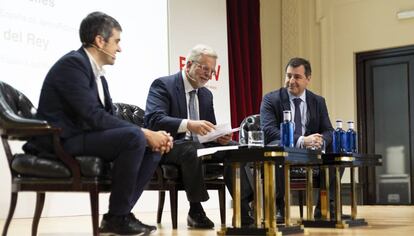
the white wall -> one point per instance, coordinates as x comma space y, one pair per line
34, 34
24, 63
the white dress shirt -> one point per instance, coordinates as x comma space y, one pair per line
98, 71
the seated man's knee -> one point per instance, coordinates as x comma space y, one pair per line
133, 137
189, 151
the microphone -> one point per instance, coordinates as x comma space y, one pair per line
103, 51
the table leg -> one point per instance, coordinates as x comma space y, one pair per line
309, 193
258, 195
270, 203
287, 194
236, 195
353, 194
338, 203
325, 203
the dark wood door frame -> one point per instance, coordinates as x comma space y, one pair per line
365, 118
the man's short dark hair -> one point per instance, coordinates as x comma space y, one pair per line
97, 23
297, 61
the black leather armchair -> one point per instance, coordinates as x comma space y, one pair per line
297, 175
44, 172
59, 172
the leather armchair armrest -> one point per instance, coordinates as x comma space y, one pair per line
26, 132
14, 126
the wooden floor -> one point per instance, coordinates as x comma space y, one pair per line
383, 220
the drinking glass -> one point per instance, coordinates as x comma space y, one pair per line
255, 138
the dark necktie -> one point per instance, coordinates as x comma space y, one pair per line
298, 117
192, 110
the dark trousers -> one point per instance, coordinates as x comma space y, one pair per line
246, 179
134, 164
184, 155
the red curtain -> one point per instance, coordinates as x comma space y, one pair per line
245, 72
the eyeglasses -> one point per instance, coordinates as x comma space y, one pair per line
205, 68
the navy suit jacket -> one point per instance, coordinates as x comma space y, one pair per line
167, 106
271, 115
69, 98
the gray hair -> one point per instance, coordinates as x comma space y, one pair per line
199, 50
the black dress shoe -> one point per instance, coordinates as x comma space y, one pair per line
199, 220
150, 228
124, 225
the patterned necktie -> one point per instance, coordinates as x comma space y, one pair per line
192, 110
298, 117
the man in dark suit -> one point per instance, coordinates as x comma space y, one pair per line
313, 127
181, 105
75, 97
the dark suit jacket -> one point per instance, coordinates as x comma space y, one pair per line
167, 106
69, 98
271, 115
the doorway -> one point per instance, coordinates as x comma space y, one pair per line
385, 108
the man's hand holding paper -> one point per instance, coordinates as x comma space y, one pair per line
225, 139
222, 134
200, 127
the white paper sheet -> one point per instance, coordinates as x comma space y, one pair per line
211, 150
221, 129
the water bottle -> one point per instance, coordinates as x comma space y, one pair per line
351, 138
339, 141
286, 130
